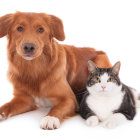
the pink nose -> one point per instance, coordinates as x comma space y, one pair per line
103, 87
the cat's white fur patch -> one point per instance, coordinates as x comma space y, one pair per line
50, 122
103, 103
138, 103
104, 106
92, 121
114, 120
136, 94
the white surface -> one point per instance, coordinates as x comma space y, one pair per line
109, 25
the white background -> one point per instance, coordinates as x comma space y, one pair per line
109, 25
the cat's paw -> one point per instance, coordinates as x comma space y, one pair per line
114, 121
92, 121
50, 123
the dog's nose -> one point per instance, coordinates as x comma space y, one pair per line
29, 47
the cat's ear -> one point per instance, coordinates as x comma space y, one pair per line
91, 66
116, 67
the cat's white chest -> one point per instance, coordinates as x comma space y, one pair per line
104, 106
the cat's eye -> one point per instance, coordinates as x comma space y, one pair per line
97, 80
110, 80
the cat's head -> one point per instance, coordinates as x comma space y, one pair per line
103, 80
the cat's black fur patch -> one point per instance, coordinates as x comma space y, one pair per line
80, 94
127, 107
84, 110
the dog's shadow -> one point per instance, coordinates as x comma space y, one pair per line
31, 116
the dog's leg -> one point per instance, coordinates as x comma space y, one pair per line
65, 109
102, 61
65, 105
19, 104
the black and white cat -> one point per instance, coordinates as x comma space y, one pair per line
105, 98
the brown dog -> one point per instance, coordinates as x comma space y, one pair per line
40, 68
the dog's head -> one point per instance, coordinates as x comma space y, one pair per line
31, 32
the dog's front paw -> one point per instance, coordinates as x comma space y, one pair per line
92, 121
50, 123
4, 112
2, 116
114, 121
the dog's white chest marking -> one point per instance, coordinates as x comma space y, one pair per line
42, 102
104, 106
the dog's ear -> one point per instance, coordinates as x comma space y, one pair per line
57, 29
56, 26
5, 24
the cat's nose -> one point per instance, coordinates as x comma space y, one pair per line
103, 87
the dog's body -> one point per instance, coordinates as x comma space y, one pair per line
49, 70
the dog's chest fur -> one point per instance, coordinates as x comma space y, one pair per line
42, 102
104, 106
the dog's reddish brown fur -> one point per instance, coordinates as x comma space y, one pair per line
56, 72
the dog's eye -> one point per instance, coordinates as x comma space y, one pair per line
40, 30
20, 28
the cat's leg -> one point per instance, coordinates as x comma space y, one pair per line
126, 112
114, 120
92, 121
87, 114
